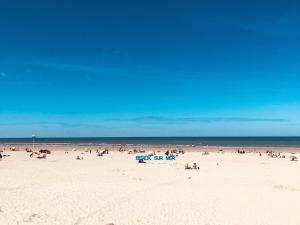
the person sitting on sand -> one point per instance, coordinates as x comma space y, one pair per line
187, 167
141, 161
294, 158
1, 156
195, 166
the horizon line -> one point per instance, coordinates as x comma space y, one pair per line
243, 136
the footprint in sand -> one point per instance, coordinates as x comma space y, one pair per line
32, 217
282, 187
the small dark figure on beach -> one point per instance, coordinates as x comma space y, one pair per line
294, 158
187, 167
45, 151
196, 167
42, 156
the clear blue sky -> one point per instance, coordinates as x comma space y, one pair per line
149, 68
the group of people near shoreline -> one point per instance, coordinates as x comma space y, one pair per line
42, 154
194, 167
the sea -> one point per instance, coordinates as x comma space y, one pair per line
178, 141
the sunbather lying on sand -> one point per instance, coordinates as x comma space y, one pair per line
42, 156
34, 153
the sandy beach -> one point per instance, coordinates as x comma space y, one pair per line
229, 188
150, 112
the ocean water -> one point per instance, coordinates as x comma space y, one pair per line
199, 141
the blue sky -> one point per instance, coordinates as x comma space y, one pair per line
149, 68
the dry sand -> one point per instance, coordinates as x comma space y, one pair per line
229, 189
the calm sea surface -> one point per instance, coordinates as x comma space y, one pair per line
201, 141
